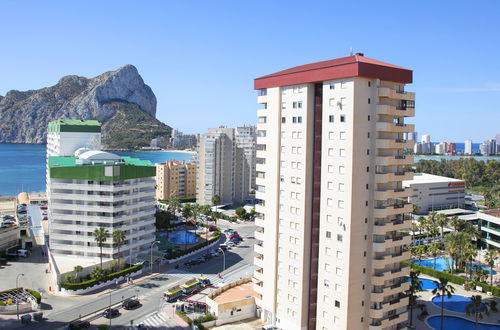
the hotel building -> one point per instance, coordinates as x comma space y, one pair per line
330, 164
175, 179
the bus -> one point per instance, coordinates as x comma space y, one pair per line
190, 286
173, 294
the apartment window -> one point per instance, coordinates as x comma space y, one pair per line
330, 118
329, 202
327, 267
299, 104
367, 186
367, 151
338, 271
261, 133
338, 288
341, 204
342, 152
341, 169
337, 303
299, 150
368, 169
368, 117
336, 320
294, 135
343, 135
283, 120
282, 164
368, 135
330, 152
326, 299
343, 84
329, 219
282, 149
283, 105
329, 185
332, 85
331, 135
339, 237
299, 135
366, 203
328, 234
339, 254
299, 119
341, 187
369, 84
343, 103
330, 168
262, 120
294, 120
331, 102
261, 175
369, 100
282, 178
328, 251
283, 134
342, 118
326, 283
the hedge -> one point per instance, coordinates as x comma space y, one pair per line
183, 316
180, 253
105, 278
453, 278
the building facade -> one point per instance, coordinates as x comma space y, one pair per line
175, 179
98, 189
330, 165
246, 139
221, 168
468, 147
490, 229
433, 192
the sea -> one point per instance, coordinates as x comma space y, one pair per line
22, 166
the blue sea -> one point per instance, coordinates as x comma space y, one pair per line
22, 166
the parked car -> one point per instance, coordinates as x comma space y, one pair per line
231, 244
214, 253
109, 313
131, 304
23, 253
229, 230
234, 236
223, 247
75, 325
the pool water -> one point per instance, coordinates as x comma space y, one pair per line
454, 322
181, 237
456, 303
426, 283
443, 264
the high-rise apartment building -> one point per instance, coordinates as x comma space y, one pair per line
468, 147
175, 179
246, 139
220, 168
330, 165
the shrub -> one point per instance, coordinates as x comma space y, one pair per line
35, 294
183, 316
105, 278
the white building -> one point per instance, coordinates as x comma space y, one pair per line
433, 192
330, 165
246, 139
490, 228
468, 147
440, 148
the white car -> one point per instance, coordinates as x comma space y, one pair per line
231, 244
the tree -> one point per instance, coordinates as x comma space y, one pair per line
118, 240
69, 277
205, 209
490, 258
241, 212
434, 250
415, 286
417, 252
100, 237
422, 223
469, 253
414, 228
455, 222
97, 273
78, 270
114, 265
415, 209
215, 200
442, 289
442, 220
187, 211
491, 199
454, 244
478, 308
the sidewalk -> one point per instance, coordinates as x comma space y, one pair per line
169, 310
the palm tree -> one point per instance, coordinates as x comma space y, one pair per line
118, 240
215, 200
441, 221
455, 221
469, 253
415, 209
97, 273
417, 252
434, 250
490, 257
442, 289
100, 237
415, 286
114, 264
69, 277
478, 307
414, 228
78, 270
422, 223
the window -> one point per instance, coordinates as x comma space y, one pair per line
326, 299
369, 100
261, 175
329, 202
326, 283
342, 135
341, 169
283, 134
341, 204
299, 119
337, 303
342, 118
330, 152
343, 84
342, 152
368, 135
283, 120
341, 187
331, 135
369, 84
332, 85
343, 103
338, 288
339, 254
339, 237
327, 267
261, 133
338, 271
262, 120
367, 151
329, 219
329, 185
328, 251
330, 118
299, 104
294, 120
283, 105
331, 102
368, 117
328, 234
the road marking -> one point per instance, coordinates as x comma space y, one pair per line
155, 320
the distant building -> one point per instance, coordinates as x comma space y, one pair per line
439, 148
468, 147
158, 142
433, 192
223, 166
246, 139
417, 148
183, 141
427, 146
175, 179
450, 148
488, 148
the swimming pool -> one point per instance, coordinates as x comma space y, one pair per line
456, 303
183, 237
443, 264
426, 283
455, 322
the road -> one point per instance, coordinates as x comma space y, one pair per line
150, 291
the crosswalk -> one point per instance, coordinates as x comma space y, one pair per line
187, 275
155, 321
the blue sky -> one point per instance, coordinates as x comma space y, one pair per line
217, 48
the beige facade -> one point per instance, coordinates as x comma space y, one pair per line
330, 166
175, 179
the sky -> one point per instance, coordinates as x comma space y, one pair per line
200, 57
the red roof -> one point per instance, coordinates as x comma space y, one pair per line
350, 66
494, 212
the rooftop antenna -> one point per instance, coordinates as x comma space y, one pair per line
350, 52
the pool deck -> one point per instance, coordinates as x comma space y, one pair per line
426, 298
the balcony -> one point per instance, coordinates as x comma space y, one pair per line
392, 110
259, 235
389, 243
380, 228
384, 212
394, 160
395, 94
394, 144
262, 99
382, 262
389, 322
379, 279
259, 249
381, 195
259, 221
259, 261
383, 126
258, 276
388, 291
393, 177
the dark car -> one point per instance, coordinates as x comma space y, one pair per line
110, 313
79, 325
131, 304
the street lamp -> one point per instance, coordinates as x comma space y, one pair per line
17, 298
224, 255
151, 257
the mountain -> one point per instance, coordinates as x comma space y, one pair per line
119, 99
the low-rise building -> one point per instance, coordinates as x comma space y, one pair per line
433, 192
490, 228
175, 179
